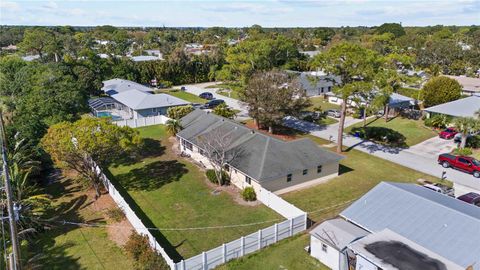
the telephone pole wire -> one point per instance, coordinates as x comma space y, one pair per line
8, 191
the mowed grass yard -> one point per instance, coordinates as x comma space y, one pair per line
173, 194
183, 95
73, 247
413, 130
286, 254
323, 103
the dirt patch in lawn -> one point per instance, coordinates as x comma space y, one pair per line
118, 231
279, 132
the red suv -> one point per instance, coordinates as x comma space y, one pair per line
471, 198
448, 133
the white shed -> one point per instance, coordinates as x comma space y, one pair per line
329, 240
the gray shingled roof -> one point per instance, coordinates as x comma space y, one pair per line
138, 100
261, 157
465, 107
444, 225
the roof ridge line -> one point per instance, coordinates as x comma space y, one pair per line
262, 164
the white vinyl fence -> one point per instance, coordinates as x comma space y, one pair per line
132, 217
296, 223
143, 122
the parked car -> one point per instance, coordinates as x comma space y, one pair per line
212, 104
448, 133
443, 189
206, 95
183, 88
458, 137
462, 163
334, 113
471, 198
196, 105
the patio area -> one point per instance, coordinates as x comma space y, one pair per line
107, 107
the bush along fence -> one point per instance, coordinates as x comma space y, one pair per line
142, 122
133, 218
296, 222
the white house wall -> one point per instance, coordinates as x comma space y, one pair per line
330, 258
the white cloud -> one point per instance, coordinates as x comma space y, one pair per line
10, 6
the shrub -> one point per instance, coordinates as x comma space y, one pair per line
249, 194
116, 214
438, 121
463, 151
474, 142
440, 90
212, 177
178, 112
144, 257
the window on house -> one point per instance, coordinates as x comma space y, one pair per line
201, 152
319, 168
154, 110
187, 145
321, 89
305, 172
248, 180
289, 177
329, 88
324, 247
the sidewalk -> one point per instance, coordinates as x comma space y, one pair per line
412, 157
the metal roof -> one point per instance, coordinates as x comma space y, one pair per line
338, 232
138, 100
115, 86
391, 251
444, 225
260, 156
143, 58
468, 83
465, 107
100, 103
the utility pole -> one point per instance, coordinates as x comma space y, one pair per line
8, 191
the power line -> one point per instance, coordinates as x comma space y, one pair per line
83, 224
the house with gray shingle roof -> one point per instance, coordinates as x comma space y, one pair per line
257, 159
402, 226
464, 107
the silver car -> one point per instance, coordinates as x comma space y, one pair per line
334, 113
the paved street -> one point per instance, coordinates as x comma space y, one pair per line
199, 88
421, 157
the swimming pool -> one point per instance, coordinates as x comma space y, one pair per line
108, 115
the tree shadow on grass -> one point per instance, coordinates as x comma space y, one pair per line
344, 169
381, 135
148, 148
152, 176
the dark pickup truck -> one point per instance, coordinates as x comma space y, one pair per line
463, 163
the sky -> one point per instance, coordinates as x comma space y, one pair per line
267, 13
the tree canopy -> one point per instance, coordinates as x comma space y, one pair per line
440, 90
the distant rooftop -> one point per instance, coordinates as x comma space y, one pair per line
439, 223
338, 232
138, 100
115, 86
465, 107
468, 84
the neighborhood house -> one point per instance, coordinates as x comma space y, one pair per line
465, 107
316, 83
130, 100
470, 86
256, 159
400, 226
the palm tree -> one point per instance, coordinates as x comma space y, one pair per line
466, 125
173, 127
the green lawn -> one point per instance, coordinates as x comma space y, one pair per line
73, 247
286, 254
359, 172
183, 95
170, 192
413, 130
323, 103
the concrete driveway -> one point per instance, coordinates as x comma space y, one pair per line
432, 147
199, 88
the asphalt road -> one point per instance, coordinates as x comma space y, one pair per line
421, 157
